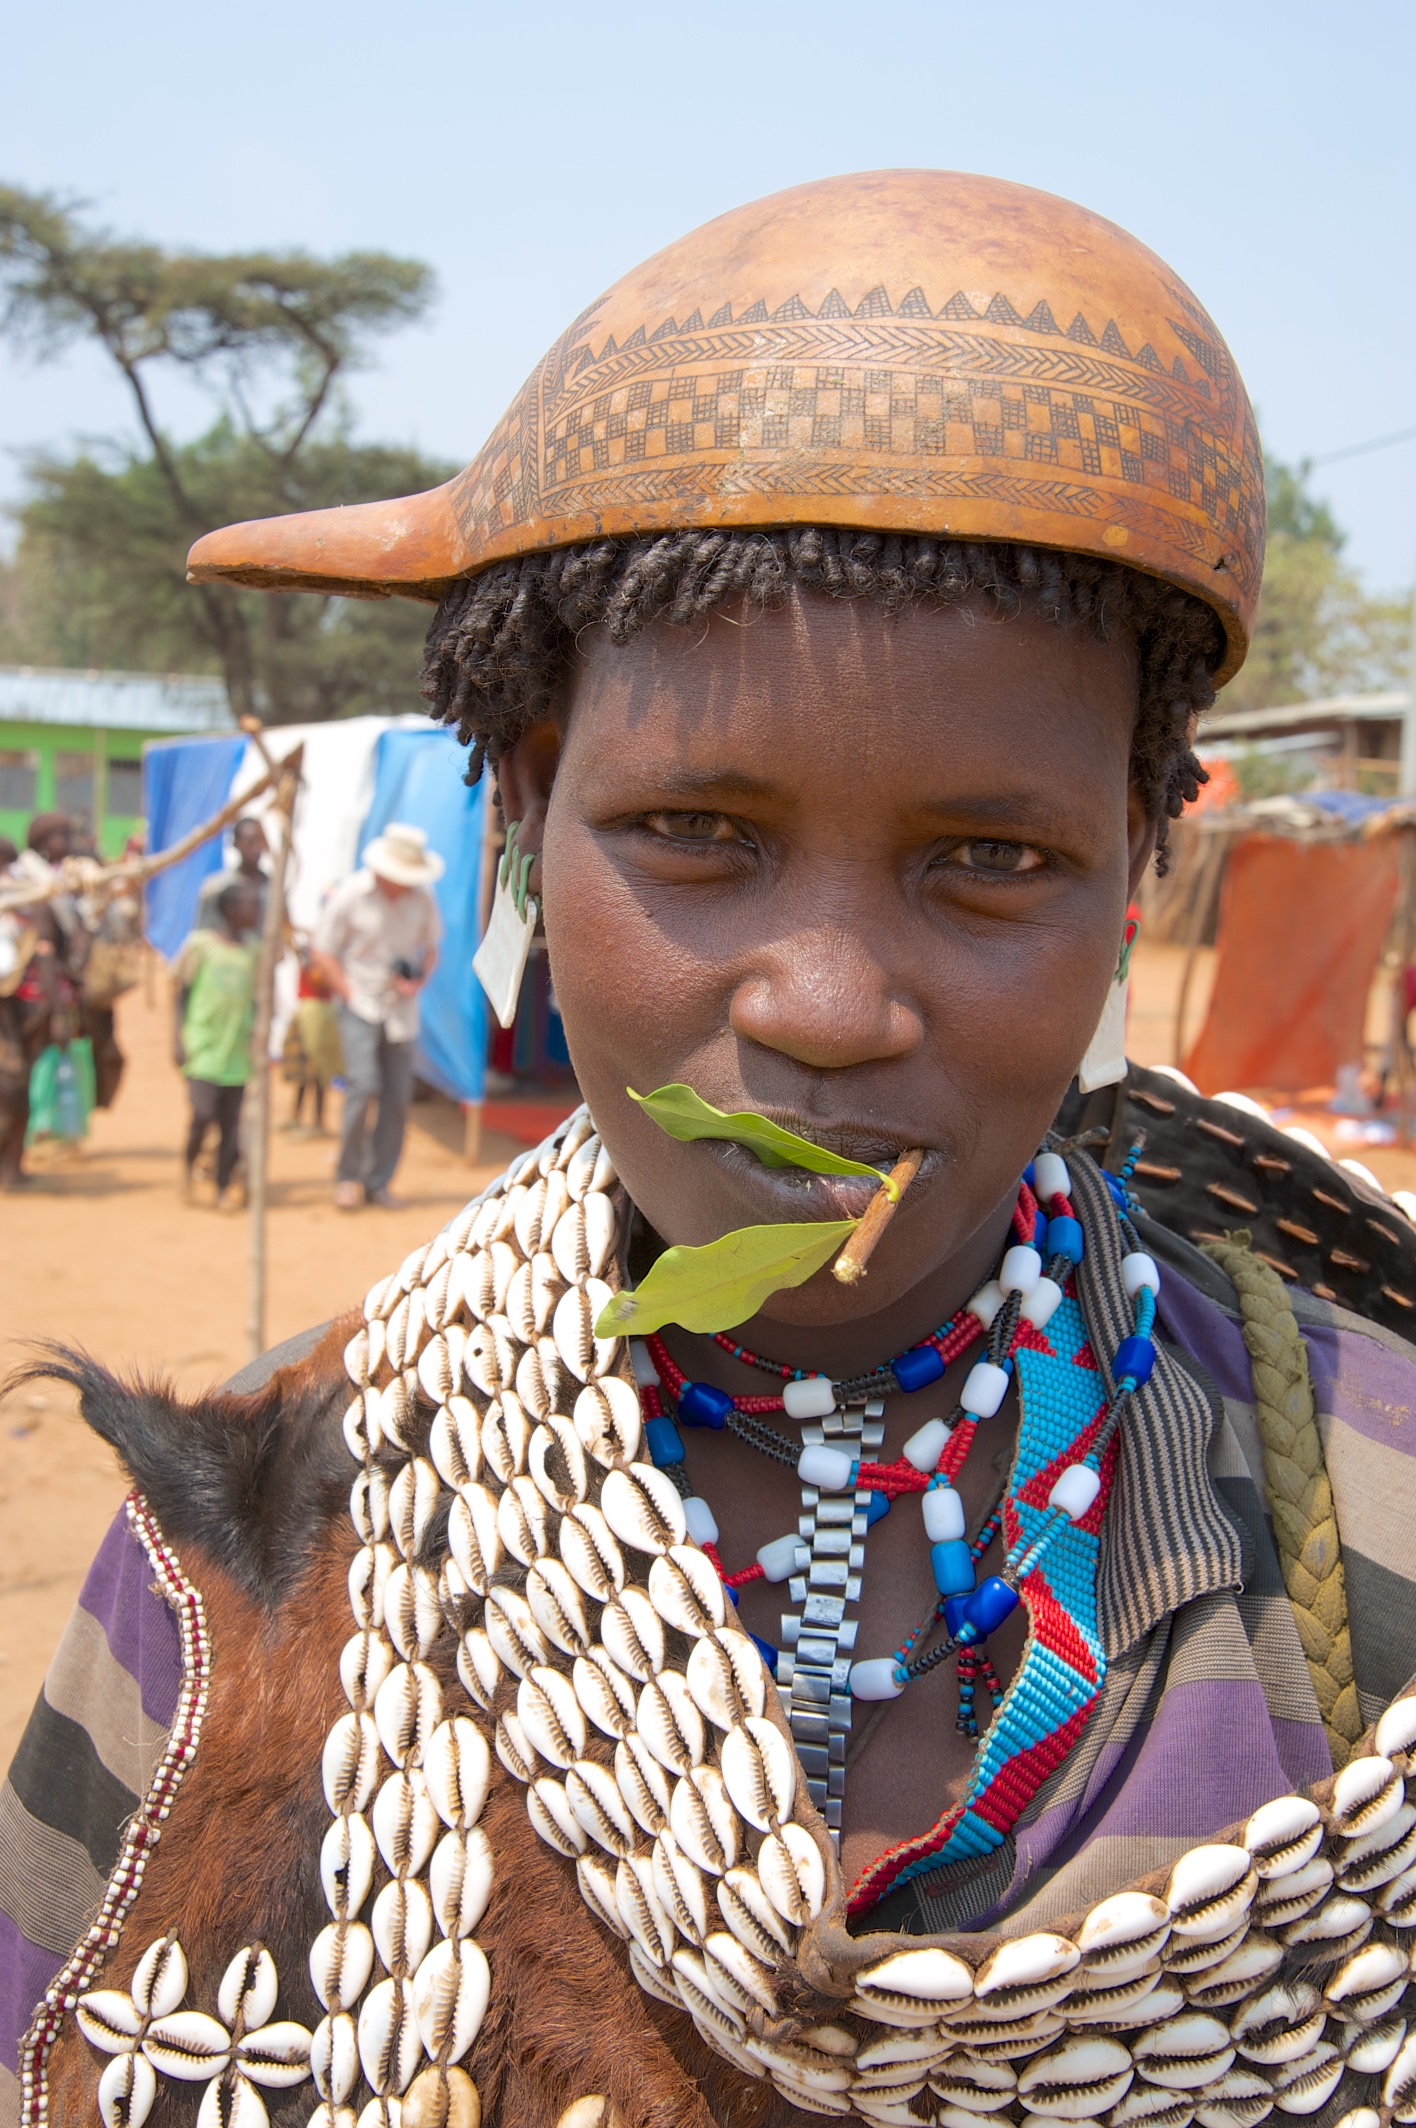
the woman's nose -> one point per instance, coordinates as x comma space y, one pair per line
825, 999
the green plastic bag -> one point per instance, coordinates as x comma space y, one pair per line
62, 1091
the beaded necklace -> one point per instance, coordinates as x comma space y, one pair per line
843, 1495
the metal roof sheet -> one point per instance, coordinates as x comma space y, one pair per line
122, 701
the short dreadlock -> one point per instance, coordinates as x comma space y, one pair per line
502, 641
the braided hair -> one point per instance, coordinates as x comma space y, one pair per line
502, 641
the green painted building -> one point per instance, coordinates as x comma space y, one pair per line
72, 742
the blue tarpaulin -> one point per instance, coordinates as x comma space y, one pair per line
185, 781
418, 779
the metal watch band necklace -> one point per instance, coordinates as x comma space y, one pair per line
846, 1489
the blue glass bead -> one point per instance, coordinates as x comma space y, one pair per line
918, 1367
665, 1444
1135, 1356
952, 1566
877, 1506
1065, 1238
1039, 1229
703, 1405
991, 1602
1030, 1175
766, 1650
1117, 1188
954, 1614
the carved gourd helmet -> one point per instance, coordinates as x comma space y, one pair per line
901, 351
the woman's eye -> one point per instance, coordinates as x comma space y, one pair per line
698, 828
996, 857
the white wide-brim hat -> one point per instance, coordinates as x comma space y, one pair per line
401, 854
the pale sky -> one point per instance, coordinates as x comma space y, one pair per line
533, 152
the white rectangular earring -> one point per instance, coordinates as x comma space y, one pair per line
500, 961
1105, 1060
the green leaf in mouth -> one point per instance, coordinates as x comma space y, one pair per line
726, 1281
686, 1116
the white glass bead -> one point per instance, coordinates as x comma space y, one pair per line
1042, 1303
984, 1390
1139, 1270
782, 1557
986, 1303
1075, 1491
812, 1399
1051, 1177
698, 1516
645, 1372
1020, 1270
875, 1679
943, 1514
829, 1469
924, 1448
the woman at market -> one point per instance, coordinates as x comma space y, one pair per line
807, 1633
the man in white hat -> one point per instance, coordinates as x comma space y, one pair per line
377, 943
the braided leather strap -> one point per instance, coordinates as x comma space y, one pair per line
1300, 1496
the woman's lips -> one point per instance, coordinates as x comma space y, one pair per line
785, 1194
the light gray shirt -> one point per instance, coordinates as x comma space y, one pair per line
366, 933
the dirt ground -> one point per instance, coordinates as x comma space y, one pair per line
104, 1254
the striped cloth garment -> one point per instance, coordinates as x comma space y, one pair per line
1207, 1709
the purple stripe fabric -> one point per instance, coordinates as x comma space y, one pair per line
1201, 1329
141, 1631
1367, 1387
25, 1973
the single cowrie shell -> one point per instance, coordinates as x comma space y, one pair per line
472, 1287
1340, 1916
537, 1215
571, 1135
643, 1508
474, 1536
643, 1782
449, 1992
903, 2049
573, 1328
412, 1503
583, 1239
1099, 2000
397, 1342
503, 1263
478, 1666
1366, 1795
490, 1356
1249, 1967
398, 1411
998, 2039
159, 1982
439, 1367
1283, 1835
389, 2047
385, 1290
341, 1960
556, 1462
641, 1910
456, 1769
109, 2020
522, 1521
350, 1763
551, 1717
1284, 1898
539, 1378
506, 1436
751, 1916
548, 1808
514, 1748
364, 1663
597, 1883
402, 1924
407, 1710
405, 1823
1148, 2106
1396, 1901
356, 1359
513, 1632
706, 2000
605, 1692
670, 1723
1396, 1731
1241, 2098
369, 1570
361, 1427
1036, 1967
591, 1552
1279, 2023
412, 1609
436, 1293
1122, 1933
1076, 2079
632, 1634
744, 1979
1209, 1889
1372, 2048
1184, 1955
410, 1272
1184, 2052
609, 1423
461, 1603
334, 2061
725, 1673
1379, 1856
547, 1285
1303, 2086
519, 1306
759, 1772
600, 1808
703, 1820
455, 1442
793, 1874
685, 1590
580, 1169
378, 1346
976, 2084
682, 1888
1372, 1971
558, 1606
460, 1880
1399, 2084
346, 1868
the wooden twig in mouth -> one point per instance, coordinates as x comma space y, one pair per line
850, 1265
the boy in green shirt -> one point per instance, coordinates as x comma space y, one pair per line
215, 986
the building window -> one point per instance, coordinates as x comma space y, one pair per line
73, 785
125, 790
17, 781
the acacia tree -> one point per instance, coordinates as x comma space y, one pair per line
272, 336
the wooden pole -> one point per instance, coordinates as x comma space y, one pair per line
258, 1112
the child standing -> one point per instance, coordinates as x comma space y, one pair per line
214, 989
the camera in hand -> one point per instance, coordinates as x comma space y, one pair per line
408, 971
